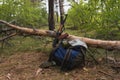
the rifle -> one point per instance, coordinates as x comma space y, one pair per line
62, 28
60, 31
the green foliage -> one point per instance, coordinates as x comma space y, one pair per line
83, 15
27, 14
24, 12
100, 16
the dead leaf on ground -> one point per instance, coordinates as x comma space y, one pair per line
38, 71
9, 76
85, 69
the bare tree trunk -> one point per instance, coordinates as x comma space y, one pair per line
90, 42
51, 15
56, 10
61, 10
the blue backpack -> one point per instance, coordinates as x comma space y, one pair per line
69, 57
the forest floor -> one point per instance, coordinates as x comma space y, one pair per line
24, 66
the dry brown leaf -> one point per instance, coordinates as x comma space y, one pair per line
8, 76
85, 69
38, 71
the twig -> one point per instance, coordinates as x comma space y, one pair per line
5, 30
106, 55
106, 73
6, 37
92, 56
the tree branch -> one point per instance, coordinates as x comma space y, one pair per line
105, 44
6, 37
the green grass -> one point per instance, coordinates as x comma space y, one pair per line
20, 44
27, 44
43, 44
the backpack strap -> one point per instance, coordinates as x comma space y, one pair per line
66, 58
53, 51
81, 56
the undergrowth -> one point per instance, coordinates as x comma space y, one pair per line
19, 44
26, 44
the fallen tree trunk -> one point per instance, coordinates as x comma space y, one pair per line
90, 42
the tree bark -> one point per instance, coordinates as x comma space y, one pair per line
61, 11
51, 15
56, 10
90, 42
